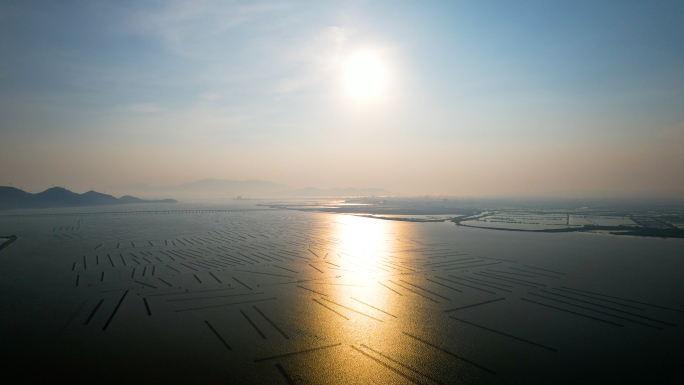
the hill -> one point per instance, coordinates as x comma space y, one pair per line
14, 198
223, 188
339, 192
209, 188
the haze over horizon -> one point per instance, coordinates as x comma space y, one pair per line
452, 98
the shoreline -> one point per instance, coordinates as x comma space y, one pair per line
619, 230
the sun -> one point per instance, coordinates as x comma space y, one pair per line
364, 77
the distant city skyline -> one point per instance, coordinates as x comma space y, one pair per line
453, 98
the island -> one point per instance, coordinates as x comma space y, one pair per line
14, 198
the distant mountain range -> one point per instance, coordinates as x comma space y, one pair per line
223, 188
210, 188
14, 198
340, 192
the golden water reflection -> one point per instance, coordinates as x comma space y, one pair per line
360, 309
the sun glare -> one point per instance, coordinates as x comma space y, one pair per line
365, 77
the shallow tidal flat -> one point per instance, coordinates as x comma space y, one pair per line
535, 222
279, 296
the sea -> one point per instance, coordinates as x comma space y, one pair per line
243, 294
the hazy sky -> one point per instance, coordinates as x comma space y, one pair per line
465, 97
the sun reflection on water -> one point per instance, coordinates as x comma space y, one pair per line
361, 240
357, 310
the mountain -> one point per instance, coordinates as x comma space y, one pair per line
130, 199
15, 195
14, 198
55, 197
226, 188
340, 192
96, 198
210, 188
232, 187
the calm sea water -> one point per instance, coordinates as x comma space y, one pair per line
295, 297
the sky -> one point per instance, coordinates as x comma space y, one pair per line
462, 98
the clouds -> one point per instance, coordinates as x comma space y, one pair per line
315, 60
262, 82
199, 29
